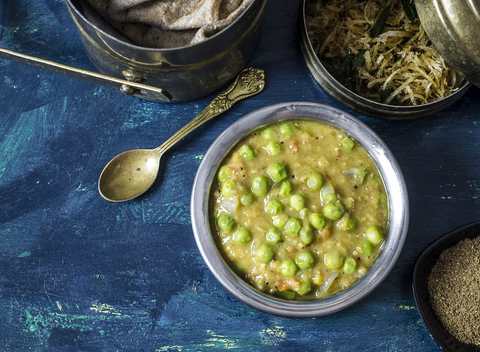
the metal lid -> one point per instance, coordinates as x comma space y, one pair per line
454, 28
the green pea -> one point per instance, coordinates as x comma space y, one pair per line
333, 211
228, 188
247, 199
349, 266
260, 282
286, 129
273, 236
304, 260
225, 222
259, 186
347, 144
306, 235
268, 134
297, 202
247, 152
317, 220
273, 148
333, 260
367, 248
304, 287
280, 220
273, 207
327, 194
287, 294
346, 223
264, 253
358, 175
288, 268
224, 174
242, 235
285, 189
374, 235
315, 181
277, 172
303, 213
292, 227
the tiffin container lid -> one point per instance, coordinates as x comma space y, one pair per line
453, 26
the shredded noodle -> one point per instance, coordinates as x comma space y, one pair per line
399, 66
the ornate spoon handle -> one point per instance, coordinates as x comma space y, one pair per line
249, 82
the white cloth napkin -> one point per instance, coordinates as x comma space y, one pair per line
168, 23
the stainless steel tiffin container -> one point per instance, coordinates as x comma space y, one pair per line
182, 74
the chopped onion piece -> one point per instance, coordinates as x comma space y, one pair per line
323, 290
229, 205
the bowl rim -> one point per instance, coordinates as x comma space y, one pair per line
386, 165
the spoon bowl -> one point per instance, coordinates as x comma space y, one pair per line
129, 174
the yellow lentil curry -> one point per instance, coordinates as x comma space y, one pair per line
299, 210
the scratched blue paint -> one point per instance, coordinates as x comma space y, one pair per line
78, 274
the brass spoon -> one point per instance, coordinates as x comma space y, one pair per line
130, 174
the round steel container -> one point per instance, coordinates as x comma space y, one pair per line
358, 102
388, 169
454, 28
184, 73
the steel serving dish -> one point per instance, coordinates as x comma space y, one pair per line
389, 171
423, 267
184, 73
452, 25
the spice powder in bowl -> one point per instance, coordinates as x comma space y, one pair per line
454, 288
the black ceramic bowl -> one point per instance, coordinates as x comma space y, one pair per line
423, 267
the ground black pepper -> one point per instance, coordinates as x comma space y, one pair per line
454, 287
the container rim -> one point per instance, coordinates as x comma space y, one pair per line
79, 13
388, 169
374, 104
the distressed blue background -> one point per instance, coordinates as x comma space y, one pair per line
78, 274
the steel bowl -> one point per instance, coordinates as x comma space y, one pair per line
358, 102
421, 272
388, 168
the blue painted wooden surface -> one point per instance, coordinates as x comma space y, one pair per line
78, 274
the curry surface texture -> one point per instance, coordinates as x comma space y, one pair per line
299, 210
